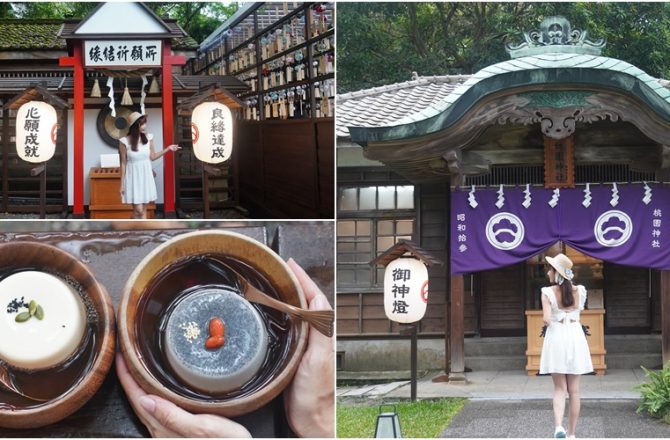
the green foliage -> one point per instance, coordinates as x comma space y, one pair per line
655, 394
198, 19
382, 43
421, 419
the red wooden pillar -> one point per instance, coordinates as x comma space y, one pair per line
168, 127
76, 61
665, 315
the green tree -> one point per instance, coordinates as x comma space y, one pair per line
381, 43
198, 19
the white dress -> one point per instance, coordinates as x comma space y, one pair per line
138, 181
565, 349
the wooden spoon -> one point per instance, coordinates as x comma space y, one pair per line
321, 320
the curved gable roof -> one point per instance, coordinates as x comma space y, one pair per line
550, 69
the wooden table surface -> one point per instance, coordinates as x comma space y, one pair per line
112, 255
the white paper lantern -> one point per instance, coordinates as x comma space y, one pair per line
405, 290
212, 132
36, 127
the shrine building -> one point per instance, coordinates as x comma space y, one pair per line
558, 149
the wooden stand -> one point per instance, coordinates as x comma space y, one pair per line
106, 198
594, 319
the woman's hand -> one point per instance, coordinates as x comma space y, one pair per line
310, 398
173, 147
165, 419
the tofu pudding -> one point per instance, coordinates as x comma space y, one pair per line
42, 320
214, 340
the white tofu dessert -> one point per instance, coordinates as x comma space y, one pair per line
204, 355
43, 320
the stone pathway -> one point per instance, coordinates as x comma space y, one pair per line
534, 419
491, 385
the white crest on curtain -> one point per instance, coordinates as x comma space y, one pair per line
647, 194
110, 84
587, 196
527, 198
554, 198
501, 198
471, 198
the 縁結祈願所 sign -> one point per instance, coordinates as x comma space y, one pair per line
122, 53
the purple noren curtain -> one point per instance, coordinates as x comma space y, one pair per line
631, 232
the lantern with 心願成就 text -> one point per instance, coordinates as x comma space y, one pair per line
405, 290
36, 130
212, 132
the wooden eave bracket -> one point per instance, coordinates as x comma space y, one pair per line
665, 157
466, 163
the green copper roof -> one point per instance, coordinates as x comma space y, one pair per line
572, 71
545, 61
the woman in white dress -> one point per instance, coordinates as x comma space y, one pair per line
137, 178
565, 352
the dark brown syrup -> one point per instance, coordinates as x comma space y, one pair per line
191, 275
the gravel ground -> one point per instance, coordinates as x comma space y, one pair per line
232, 214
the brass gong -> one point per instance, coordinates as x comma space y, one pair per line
111, 128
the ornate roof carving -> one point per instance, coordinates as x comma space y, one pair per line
555, 35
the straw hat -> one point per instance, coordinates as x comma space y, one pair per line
562, 264
134, 116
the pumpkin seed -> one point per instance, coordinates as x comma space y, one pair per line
32, 307
39, 313
22, 317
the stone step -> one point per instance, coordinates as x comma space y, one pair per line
495, 346
493, 363
633, 344
634, 360
517, 345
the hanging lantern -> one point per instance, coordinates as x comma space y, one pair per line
153, 88
405, 290
212, 132
36, 126
126, 99
95, 92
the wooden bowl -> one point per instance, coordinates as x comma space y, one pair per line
244, 249
37, 256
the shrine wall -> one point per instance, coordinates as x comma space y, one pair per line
94, 146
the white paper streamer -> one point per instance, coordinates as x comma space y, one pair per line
144, 95
587, 196
501, 198
526, 200
615, 195
110, 84
554, 198
471, 198
647, 194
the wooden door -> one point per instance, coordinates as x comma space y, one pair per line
627, 301
501, 301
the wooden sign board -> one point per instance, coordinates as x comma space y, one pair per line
559, 162
122, 53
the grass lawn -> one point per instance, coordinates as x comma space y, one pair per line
420, 419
